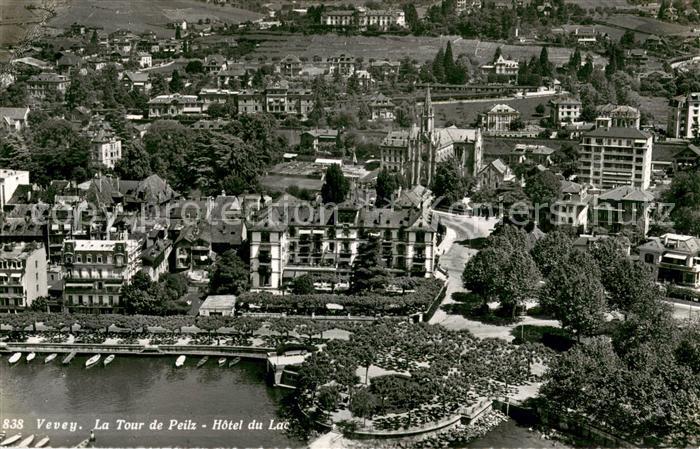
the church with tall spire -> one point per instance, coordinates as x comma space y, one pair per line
415, 152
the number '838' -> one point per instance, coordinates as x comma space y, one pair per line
13, 424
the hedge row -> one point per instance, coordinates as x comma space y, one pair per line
418, 300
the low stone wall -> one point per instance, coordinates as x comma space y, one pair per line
432, 427
163, 350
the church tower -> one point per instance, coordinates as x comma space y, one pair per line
427, 145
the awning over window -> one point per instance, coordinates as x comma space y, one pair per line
675, 256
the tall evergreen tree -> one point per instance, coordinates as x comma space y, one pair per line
439, 66
449, 64
545, 65
335, 186
176, 82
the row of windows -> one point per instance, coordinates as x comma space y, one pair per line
96, 300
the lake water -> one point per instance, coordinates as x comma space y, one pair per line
144, 389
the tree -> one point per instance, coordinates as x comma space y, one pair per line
539, 109
545, 65
178, 32
230, 275
387, 184
543, 188
168, 145
137, 297
497, 54
135, 162
449, 64
59, 151
448, 184
684, 193
438, 67
629, 283
575, 295
303, 285
551, 251
609, 253
362, 403
411, 16
368, 269
194, 66
505, 270
627, 40
176, 83
335, 186
40, 304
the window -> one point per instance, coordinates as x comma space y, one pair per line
79, 258
649, 258
99, 259
88, 258
265, 237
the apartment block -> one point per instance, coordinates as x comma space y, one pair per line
684, 116
22, 275
95, 271
613, 157
9, 181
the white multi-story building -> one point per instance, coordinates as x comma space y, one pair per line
675, 258
9, 181
613, 157
106, 146
565, 111
499, 118
174, 105
290, 241
684, 116
95, 271
364, 19
22, 275
44, 84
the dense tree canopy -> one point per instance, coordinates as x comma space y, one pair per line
335, 186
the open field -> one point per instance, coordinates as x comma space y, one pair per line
657, 107
393, 47
145, 15
465, 113
15, 19
592, 4
647, 25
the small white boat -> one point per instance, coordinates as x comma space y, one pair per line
180, 361
15, 358
69, 357
109, 359
92, 360
202, 361
234, 361
26, 442
42, 442
10, 440
222, 361
49, 358
31, 356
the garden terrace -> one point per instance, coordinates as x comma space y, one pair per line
440, 371
367, 304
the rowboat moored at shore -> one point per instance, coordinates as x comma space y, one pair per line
202, 361
180, 361
234, 361
222, 361
92, 360
9, 440
49, 358
42, 442
15, 358
31, 356
26, 442
109, 359
69, 357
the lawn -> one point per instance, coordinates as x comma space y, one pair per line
648, 25
141, 15
420, 48
465, 113
657, 107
